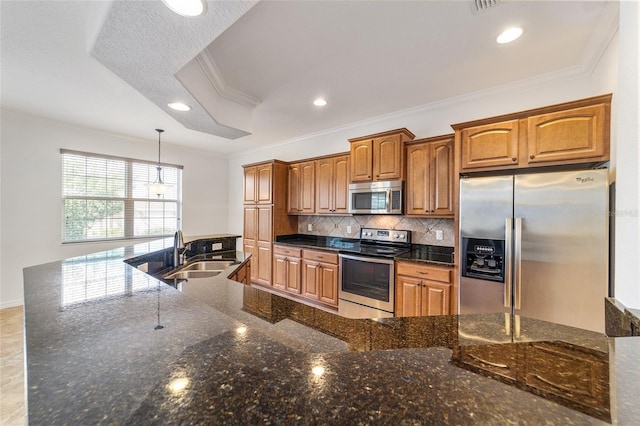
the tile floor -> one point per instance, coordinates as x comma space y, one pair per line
12, 393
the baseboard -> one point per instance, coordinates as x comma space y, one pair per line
11, 304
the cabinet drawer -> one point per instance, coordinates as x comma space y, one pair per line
432, 273
287, 251
321, 256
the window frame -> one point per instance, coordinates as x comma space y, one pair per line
128, 200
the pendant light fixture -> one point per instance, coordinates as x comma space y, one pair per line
158, 187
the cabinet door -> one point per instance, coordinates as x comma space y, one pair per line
263, 275
572, 135
293, 282
441, 179
250, 230
341, 184
387, 158
294, 189
279, 272
264, 178
435, 298
408, 295
250, 189
264, 233
418, 180
310, 277
307, 187
362, 161
328, 284
251, 246
491, 145
324, 186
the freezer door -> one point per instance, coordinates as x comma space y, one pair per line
561, 247
486, 204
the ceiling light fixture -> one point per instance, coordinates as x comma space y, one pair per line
158, 187
509, 35
187, 7
179, 106
319, 102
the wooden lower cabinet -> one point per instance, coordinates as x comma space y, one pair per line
310, 274
422, 290
242, 274
320, 280
286, 269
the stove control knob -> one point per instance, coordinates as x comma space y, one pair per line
402, 237
396, 236
368, 234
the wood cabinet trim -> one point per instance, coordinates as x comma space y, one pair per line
536, 111
402, 131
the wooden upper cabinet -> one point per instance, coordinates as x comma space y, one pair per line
566, 135
302, 188
430, 177
332, 185
362, 161
257, 184
379, 157
491, 145
569, 133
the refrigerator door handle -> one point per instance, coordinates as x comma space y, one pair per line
508, 274
517, 263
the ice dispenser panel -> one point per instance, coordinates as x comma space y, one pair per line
483, 259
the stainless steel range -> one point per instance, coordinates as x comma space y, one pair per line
367, 283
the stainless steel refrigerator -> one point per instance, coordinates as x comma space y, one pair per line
536, 245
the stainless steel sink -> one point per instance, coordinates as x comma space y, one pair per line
187, 274
200, 269
208, 265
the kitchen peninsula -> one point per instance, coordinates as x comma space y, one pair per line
147, 353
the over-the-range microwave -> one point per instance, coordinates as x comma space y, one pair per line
383, 197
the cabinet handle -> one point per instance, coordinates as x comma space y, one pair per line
514, 159
532, 157
422, 273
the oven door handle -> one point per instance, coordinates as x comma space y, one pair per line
365, 259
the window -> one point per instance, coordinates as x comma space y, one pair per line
107, 198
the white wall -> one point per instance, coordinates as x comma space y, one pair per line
30, 178
627, 267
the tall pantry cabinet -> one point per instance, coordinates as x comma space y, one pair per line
265, 215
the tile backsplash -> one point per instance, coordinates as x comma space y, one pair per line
422, 229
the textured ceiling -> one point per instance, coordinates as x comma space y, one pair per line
146, 44
112, 65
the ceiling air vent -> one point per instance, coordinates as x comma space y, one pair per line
478, 6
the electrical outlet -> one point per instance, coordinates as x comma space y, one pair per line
216, 246
348, 229
439, 234
310, 227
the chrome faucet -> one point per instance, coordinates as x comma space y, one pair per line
178, 244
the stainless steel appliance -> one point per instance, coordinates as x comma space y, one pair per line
376, 197
366, 280
536, 245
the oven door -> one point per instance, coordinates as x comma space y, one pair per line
367, 281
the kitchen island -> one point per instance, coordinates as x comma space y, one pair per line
109, 343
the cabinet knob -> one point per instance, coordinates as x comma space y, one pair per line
532, 157
514, 159
422, 273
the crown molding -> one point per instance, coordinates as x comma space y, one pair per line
208, 65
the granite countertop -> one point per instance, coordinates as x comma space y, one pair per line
438, 255
231, 353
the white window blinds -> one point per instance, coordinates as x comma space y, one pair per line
106, 198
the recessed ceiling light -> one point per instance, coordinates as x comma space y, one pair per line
187, 7
179, 106
319, 102
509, 35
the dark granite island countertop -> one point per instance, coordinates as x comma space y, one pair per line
95, 355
